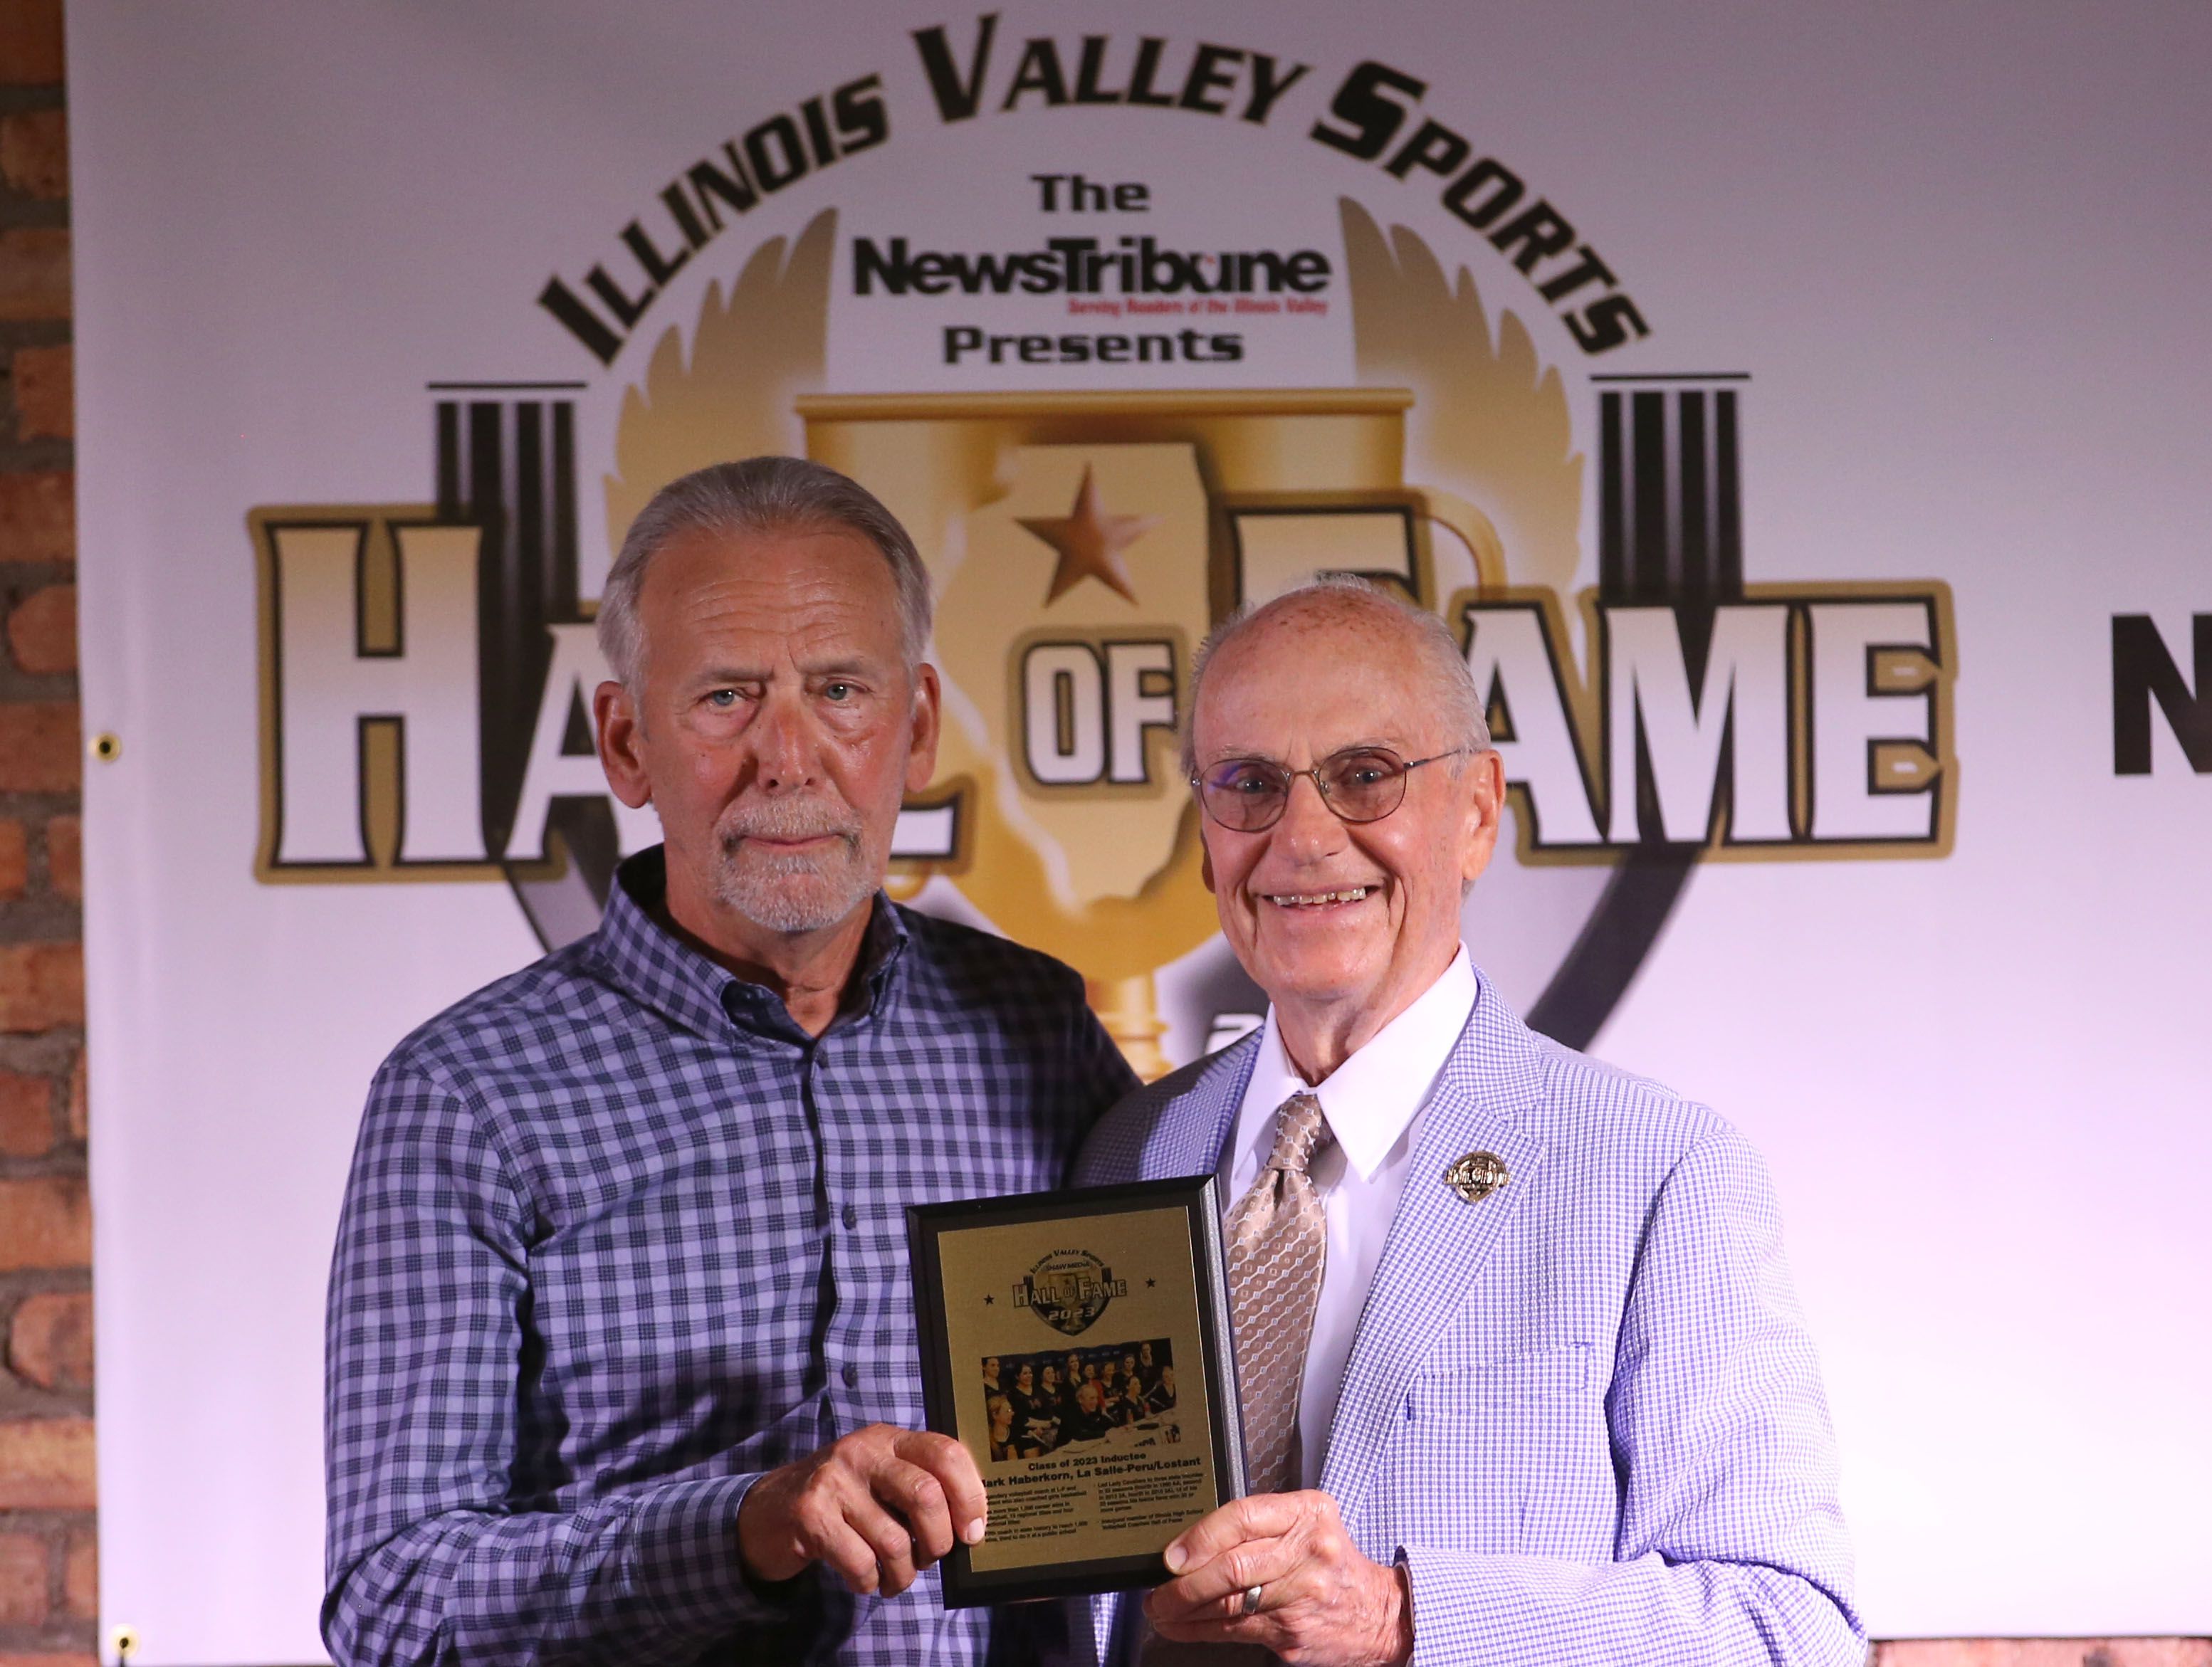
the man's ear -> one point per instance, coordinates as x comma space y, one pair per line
615, 721
1205, 859
1485, 807
922, 746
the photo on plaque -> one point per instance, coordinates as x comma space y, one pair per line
1077, 1343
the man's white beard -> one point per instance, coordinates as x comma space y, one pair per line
795, 891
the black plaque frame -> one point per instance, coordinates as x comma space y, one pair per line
1198, 1197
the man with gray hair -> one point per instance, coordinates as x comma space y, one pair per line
621, 1338
1523, 1377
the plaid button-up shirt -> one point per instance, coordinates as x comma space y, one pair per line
619, 1237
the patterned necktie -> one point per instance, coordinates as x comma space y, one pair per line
1278, 1236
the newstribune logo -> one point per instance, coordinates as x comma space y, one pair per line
427, 668
1068, 1290
1126, 267
1131, 276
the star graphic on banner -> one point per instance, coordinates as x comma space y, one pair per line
1090, 542
988, 1300
1149, 1283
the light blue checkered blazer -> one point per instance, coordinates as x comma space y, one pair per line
1584, 1411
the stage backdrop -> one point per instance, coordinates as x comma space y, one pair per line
1802, 420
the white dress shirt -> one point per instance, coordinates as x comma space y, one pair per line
1372, 1104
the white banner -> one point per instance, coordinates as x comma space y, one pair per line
1801, 419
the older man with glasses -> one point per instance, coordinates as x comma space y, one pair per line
1522, 1376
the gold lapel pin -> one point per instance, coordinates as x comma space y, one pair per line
1476, 1176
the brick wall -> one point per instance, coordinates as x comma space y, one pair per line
47, 1588
46, 1569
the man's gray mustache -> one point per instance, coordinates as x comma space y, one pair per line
791, 822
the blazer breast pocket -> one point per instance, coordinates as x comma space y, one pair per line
1452, 1382
1505, 1454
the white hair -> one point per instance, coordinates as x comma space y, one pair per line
1456, 699
758, 495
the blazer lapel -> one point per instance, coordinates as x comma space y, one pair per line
1193, 1128
1439, 1244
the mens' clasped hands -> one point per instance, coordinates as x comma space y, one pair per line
876, 1506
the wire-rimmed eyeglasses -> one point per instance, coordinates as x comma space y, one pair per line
1360, 785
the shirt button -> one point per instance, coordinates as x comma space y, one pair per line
852, 1216
852, 1376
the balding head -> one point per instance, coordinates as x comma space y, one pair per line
1342, 613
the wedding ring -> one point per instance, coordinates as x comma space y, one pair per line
1252, 1600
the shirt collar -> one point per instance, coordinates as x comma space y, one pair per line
1371, 1100
669, 975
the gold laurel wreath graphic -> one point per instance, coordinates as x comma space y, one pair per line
1490, 420
752, 354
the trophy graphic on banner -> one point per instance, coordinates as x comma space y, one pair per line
1081, 546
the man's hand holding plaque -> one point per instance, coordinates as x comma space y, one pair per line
1278, 1570
875, 1506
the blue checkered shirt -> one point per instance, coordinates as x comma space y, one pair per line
618, 1238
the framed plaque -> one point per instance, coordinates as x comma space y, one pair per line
1077, 1344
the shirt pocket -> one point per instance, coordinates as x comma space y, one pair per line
1507, 1454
